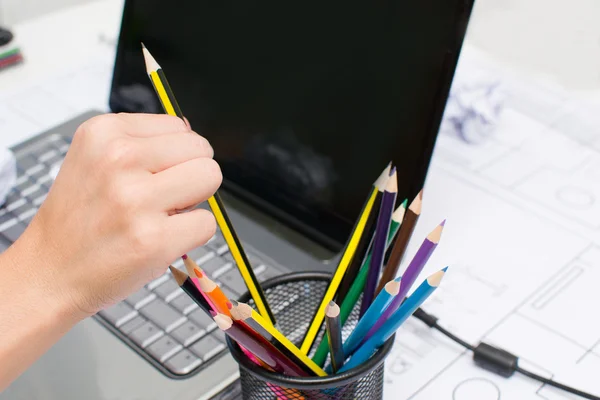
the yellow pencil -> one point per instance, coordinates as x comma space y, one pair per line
349, 251
169, 103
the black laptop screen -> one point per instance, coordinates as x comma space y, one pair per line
304, 102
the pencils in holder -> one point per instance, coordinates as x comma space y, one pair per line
169, 104
334, 336
410, 275
348, 253
366, 239
391, 325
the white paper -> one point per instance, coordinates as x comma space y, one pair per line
522, 240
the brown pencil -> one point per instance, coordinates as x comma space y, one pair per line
399, 248
260, 348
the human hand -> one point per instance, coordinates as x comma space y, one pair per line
110, 223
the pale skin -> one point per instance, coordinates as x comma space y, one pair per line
111, 223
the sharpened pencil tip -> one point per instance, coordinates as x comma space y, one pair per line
213, 313
184, 257
435, 279
229, 305
143, 46
333, 310
393, 171
405, 203
445, 269
443, 223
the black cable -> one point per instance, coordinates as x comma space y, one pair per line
496, 360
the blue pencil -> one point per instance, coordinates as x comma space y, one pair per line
390, 326
381, 302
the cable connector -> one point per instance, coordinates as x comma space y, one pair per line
427, 319
495, 360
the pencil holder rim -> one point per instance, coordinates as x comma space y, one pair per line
307, 383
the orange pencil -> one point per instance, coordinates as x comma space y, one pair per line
213, 292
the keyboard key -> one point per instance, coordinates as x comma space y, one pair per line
183, 363
233, 279
15, 204
24, 184
27, 216
119, 313
141, 298
203, 320
230, 293
146, 334
188, 333
35, 192
269, 273
213, 264
26, 162
48, 155
36, 170
166, 289
207, 347
12, 197
38, 202
184, 304
131, 325
200, 254
164, 348
220, 335
157, 282
253, 259
218, 244
13, 232
163, 315
5, 217
25, 207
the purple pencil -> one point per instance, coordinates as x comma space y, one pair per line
379, 242
412, 272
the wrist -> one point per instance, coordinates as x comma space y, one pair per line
36, 272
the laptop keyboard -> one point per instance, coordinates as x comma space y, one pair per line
160, 321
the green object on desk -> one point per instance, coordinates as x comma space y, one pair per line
352, 297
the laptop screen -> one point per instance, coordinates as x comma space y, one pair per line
304, 102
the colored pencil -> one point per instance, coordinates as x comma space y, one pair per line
399, 248
169, 103
331, 290
380, 240
410, 275
383, 300
213, 292
185, 283
244, 313
334, 336
189, 267
260, 348
365, 241
390, 326
358, 285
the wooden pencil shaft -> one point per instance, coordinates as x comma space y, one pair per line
331, 289
362, 249
334, 336
398, 249
167, 98
191, 290
240, 258
352, 297
379, 245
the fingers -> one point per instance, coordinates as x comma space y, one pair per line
185, 184
189, 230
159, 153
147, 125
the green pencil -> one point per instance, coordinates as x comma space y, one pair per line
358, 285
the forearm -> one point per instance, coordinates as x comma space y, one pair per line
32, 317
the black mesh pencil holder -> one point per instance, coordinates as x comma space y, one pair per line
293, 299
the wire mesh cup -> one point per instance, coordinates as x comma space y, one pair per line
293, 299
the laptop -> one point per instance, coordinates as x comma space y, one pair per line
304, 103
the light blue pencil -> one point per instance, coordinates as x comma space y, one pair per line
381, 302
390, 326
